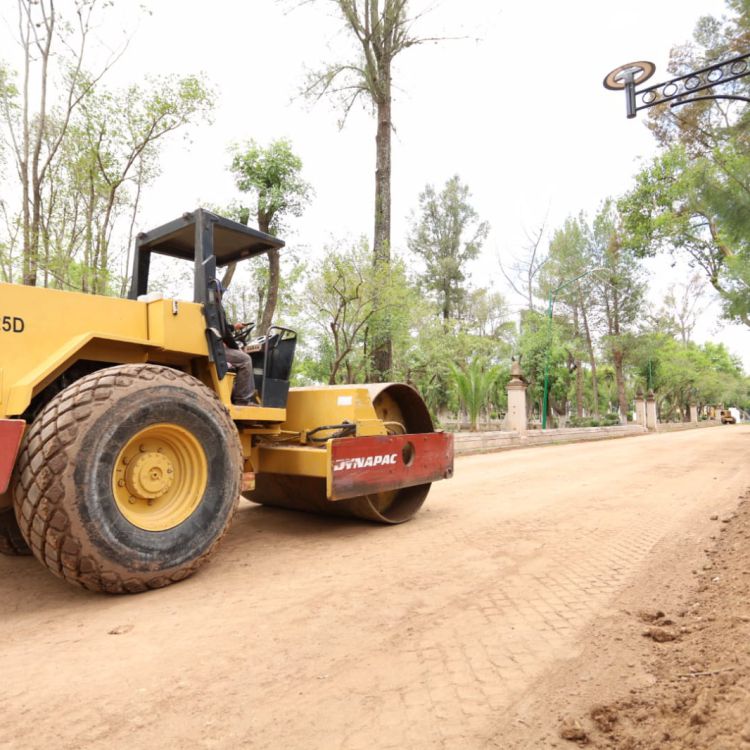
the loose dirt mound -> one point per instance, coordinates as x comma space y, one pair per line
701, 661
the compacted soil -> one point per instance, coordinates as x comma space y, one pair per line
691, 658
592, 594
700, 661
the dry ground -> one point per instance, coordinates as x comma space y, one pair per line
513, 605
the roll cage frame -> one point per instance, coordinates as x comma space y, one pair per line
211, 242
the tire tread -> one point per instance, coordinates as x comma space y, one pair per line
49, 447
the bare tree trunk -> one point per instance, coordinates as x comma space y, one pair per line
261, 306
446, 306
617, 357
382, 241
88, 245
99, 285
36, 171
24, 151
382, 354
274, 274
592, 361
34, 155
126, 275
577, 363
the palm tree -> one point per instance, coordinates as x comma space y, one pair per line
474, 386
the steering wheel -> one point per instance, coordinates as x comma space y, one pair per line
240, 334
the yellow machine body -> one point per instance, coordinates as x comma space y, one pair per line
122, 456
45, 333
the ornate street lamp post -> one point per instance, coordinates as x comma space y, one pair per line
706, 84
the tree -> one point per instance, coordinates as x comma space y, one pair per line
109, 153
541, 345
683, 305
689, 373
522, 272
687, 205
36, 124
570, 256
702, 125
273, 176
340, 301
424, 356
381, 30
447, 235
620, 288
116, 142
695, 197
475, 385
485, 315
82, 153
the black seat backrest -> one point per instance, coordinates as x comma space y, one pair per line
272, 365
281, 357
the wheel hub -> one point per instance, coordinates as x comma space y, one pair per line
150, 475
159, 477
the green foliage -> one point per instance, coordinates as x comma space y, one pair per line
688, 373
346, 298
694, 198
446, 235
618, 279
697, 207
475, 385
737, 286
608, 420
569, 257
272, 176
595, 289
111, 152
97, 150
427, 354
340, 300
567, 277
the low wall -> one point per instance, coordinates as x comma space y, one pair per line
675, 426
486, 442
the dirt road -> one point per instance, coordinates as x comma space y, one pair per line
307, 632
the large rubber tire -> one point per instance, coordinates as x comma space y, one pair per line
11, 541
63, 492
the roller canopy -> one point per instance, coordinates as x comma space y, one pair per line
210, 241
231, 241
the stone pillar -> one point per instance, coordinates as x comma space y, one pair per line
516, 418
651, 422
693, 412
640, 409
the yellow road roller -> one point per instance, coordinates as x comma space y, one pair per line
122, 455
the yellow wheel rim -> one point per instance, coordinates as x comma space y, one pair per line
160, 477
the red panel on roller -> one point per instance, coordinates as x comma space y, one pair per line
11, 432
365, 465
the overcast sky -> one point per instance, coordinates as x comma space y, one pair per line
514, 105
